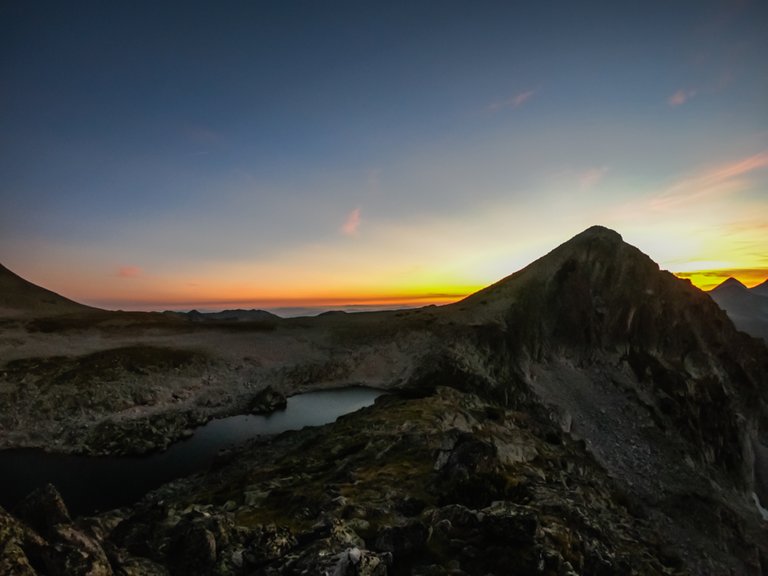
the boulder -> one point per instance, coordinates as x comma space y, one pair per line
266, 401
42, 509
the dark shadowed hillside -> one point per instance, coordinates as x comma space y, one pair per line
747, 307
761, 289
19, 297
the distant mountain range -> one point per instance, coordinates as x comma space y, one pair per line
237, 315
747, 307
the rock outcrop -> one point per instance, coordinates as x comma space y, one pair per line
47, 541
267, 400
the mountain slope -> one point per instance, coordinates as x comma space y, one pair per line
20, 297
643, 366
598, 300
761, 289
747, 307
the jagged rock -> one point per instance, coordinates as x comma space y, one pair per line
468, 470
402, 542
43, 508
138, 566
266, 401
356, 562
192, 550
265, 544
14, 537
64, 548
511, 522
73, 553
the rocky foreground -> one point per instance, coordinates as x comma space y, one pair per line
588, 415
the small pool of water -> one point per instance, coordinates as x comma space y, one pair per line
90, 484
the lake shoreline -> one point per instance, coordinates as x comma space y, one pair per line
85, 479
152, 429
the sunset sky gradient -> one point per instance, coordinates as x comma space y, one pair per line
212, 155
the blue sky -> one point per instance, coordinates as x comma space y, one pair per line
162, 154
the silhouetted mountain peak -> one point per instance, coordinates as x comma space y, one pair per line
594, 261
747, 307
18, 296
729, 284
600, 232
596, 292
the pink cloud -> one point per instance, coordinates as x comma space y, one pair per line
352, 223
592, 177
129, 272
715, 182
514, 102
681, 97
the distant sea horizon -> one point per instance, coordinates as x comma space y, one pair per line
287, 311
298, 311
283, 309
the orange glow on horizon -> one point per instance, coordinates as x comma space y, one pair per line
213, 303
221, 297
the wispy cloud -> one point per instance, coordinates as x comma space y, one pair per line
352, 223
680, 97
514, 102
129, 272
592, 177
719, 181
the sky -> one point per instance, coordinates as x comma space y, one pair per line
177, 155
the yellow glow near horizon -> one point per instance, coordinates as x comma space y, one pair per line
708, 279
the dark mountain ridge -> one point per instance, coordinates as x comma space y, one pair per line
236, 315
20, 297
747, 307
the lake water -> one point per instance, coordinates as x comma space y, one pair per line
90, 484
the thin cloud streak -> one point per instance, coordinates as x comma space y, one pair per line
514, 102
592, 177
680, 97
129, 272
714, 183
352, 223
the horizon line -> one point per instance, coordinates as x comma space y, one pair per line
705, 280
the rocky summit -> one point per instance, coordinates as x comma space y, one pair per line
588, 415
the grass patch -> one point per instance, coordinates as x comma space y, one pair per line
103, 365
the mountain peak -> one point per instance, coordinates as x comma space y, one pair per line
601, 232
598, 249
730, 284
18, 296
595, 291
